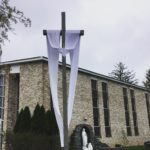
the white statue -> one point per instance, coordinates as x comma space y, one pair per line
84, 138
90, 147
86, 145
84, 148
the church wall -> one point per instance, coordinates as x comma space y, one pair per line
34, 88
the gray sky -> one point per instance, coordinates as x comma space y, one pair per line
115, 30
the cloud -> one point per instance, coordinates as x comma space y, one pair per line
115, 31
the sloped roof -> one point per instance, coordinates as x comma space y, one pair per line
88, 72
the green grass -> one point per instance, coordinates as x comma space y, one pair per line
135, 148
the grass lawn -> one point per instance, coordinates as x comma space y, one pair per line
135, 148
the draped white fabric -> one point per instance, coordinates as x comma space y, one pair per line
72, 44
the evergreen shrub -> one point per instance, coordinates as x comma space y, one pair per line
39, 132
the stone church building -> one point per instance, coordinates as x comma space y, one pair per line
118, 112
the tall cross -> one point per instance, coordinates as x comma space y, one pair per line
64, 81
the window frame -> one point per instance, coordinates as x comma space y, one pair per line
95, 104
105, 97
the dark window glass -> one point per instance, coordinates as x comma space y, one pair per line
95, 104
1, 113
133, 104
1, 125
106, 109
147, 103
1, 91
127, 118
94, 84
94, 94
106, 121
127, 115
136, 130
108, 131
104, 87
126, 103
134, 118
96, 121
132, 93
148, 107
129, 133
106, 118
1, 80
96, 112
149, 119
124, 92
95, 107
1, 102
97, 131
106, 113
105, 100
135, 123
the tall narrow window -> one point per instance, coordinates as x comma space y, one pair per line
17, 91
135, 123
127, 114
148, 107
106, 109
96, 117
1, 105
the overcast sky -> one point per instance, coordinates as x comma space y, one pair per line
115, 30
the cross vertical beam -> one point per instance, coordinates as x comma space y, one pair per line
64, 82
64, 85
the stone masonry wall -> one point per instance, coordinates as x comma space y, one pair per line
34, 88
83, 110
33, 85
117, 116
46, 87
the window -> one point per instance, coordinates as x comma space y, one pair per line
148, 107
135, 123
127, 114
106, 109
17, 90
1, 106
96, 117
1, 96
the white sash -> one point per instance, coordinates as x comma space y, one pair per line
72, 44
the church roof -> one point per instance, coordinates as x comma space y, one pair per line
85, 71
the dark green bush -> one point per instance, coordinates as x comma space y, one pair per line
36, 120
51, 125
18, 121
39, 132
30, 141
23, 123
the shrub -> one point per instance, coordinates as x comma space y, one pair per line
30, 141
18, 122
23, 122
34, 133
